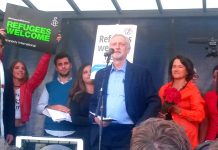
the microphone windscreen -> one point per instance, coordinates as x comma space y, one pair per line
109, 52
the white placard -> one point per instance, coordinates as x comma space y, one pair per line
104, 34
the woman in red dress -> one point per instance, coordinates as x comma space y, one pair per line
189, 112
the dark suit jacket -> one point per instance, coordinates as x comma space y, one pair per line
142, 100
8, 104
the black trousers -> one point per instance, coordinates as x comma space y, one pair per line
83, 132
114, 137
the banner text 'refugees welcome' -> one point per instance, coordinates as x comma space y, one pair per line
28, 31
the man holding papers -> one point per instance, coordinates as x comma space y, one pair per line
53, 101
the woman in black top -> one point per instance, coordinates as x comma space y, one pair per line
79, 104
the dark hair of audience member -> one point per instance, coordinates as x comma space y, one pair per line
159, 134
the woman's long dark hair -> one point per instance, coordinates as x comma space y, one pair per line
188, 65
79, 85
216, 76
26, 76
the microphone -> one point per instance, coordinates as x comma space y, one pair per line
109, 52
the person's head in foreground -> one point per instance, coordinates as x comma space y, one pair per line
159, 134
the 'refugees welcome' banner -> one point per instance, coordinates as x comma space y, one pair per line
31, 29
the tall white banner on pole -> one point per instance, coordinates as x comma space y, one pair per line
104, 34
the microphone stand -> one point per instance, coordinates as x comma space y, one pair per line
100, 105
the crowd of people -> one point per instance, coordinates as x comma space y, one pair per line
141, 117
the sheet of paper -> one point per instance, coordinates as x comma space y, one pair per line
104, 118
56, 115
